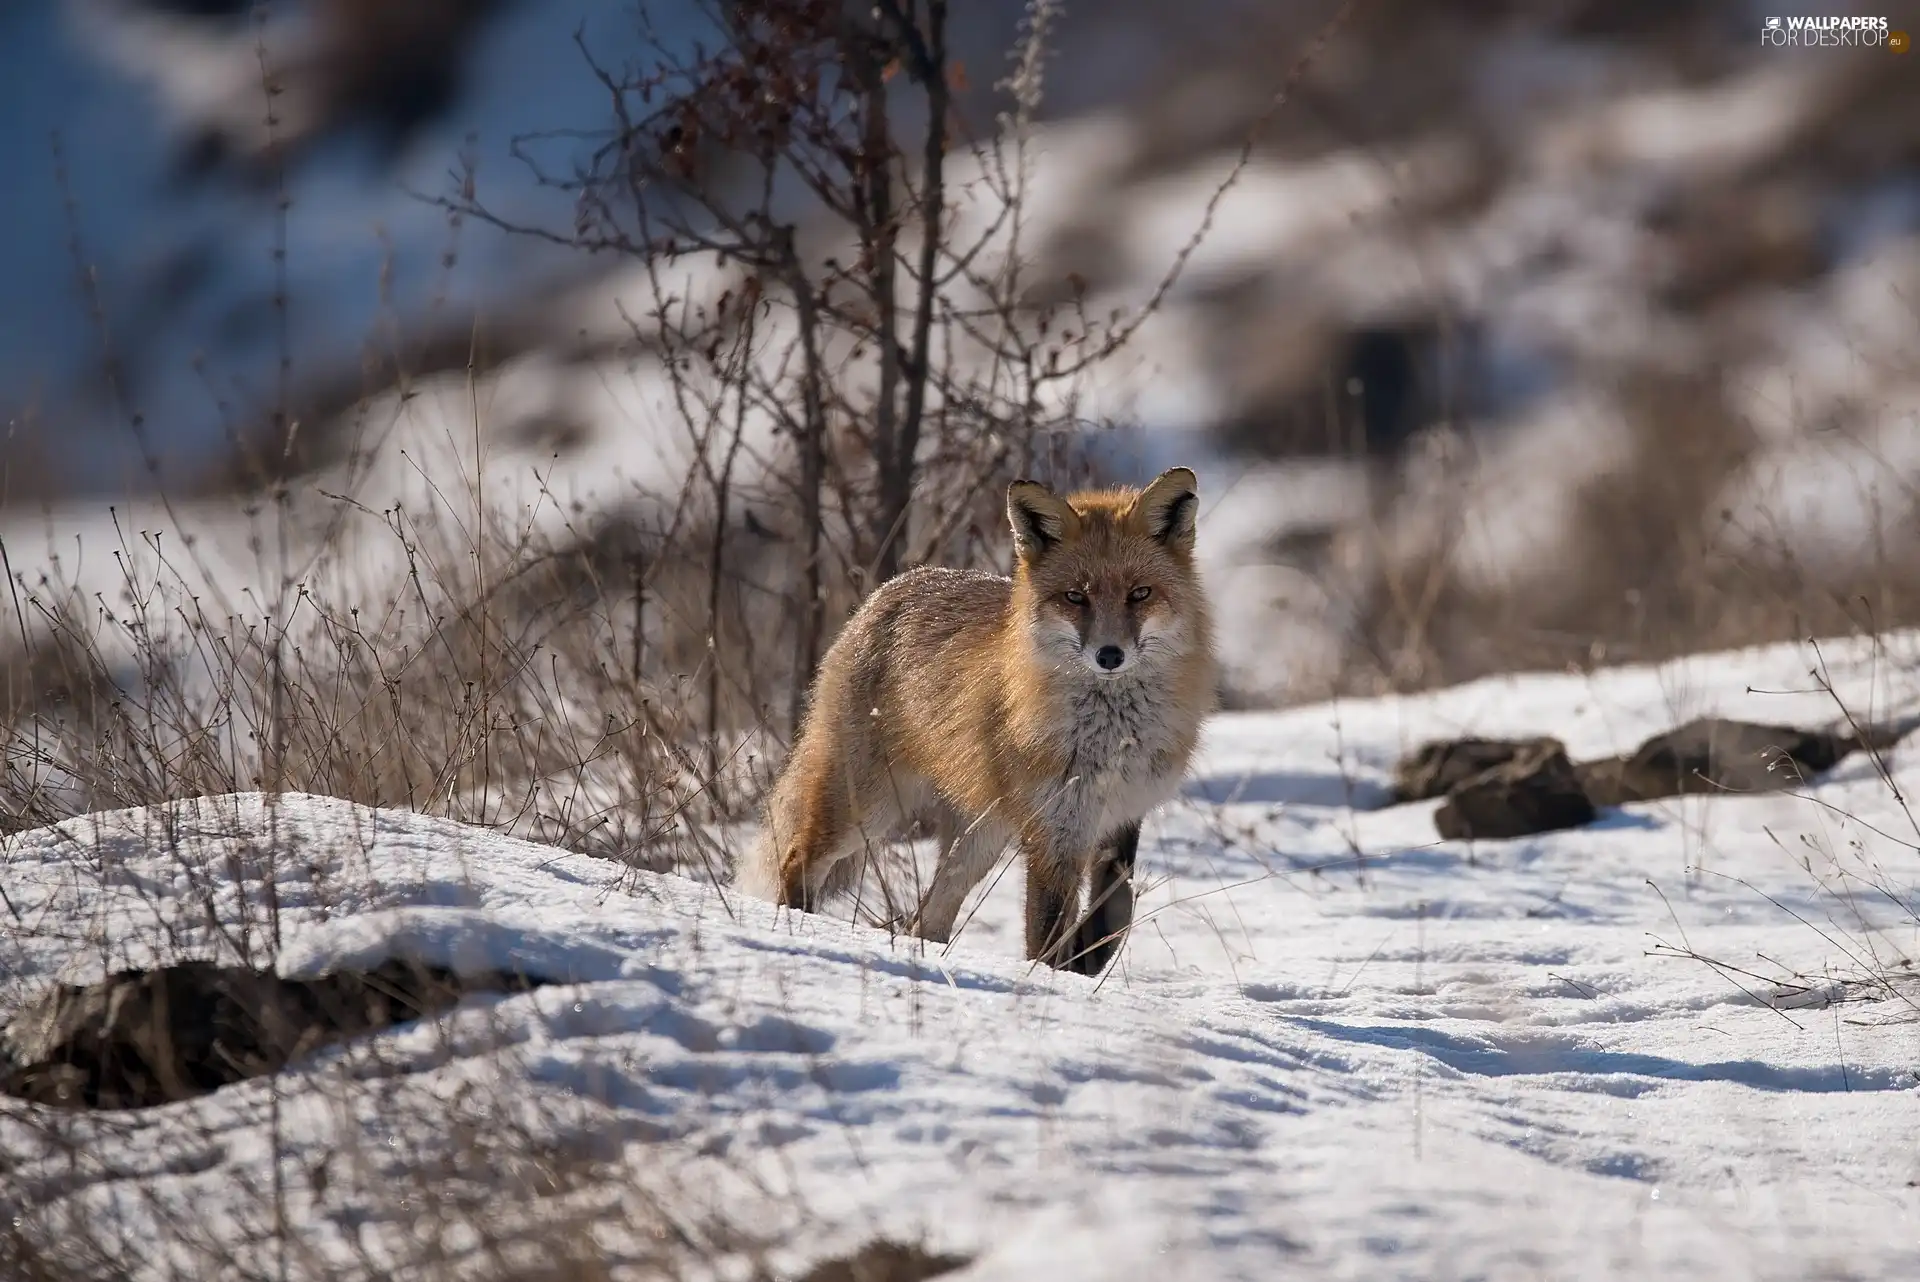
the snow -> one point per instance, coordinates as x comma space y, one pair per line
1720, 127
1332, 1042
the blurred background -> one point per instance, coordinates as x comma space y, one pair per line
1534, 333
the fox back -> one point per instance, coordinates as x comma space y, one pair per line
1054, 708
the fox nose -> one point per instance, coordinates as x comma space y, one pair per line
1110, 657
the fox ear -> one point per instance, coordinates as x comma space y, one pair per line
1169, 507
1040, 518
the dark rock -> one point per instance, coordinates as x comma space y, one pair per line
1536, 790
1714, 754
140, 1038
1606, 782
884, 1261
1435, 769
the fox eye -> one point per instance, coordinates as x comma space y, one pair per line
1139, 594
1076, 597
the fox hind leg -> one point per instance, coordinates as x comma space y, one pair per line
820, 823
807, 834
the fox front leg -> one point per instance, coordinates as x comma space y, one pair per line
1053, 884
1109, 905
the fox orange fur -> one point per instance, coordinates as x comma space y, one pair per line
1055, 709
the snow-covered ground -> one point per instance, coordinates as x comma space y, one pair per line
1332, 1045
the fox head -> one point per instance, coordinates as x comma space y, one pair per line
1106, 577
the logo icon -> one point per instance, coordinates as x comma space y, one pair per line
1773, 24
1899, 41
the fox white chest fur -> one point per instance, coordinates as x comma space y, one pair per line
1125, 759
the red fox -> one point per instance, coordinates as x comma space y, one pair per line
1055, 709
